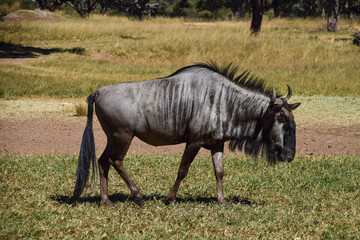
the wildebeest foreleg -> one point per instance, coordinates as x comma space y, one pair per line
189, 154
217, 158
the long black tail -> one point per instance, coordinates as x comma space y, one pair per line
87, 153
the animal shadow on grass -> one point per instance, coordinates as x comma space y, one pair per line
120, 197
9, 50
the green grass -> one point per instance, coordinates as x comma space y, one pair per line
298, 52
310, 198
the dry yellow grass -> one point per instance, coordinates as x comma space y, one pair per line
315, 110
35, 107
297, 52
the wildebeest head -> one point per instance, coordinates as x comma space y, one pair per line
278, 129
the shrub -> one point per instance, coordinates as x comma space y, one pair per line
80, 109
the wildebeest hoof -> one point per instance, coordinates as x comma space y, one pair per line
224, 203
139, 202
169, 201
107, 203
137, 198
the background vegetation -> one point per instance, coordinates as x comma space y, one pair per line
204, 9
313, 197
115, 49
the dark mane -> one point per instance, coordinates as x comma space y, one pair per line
250, 145
244, 79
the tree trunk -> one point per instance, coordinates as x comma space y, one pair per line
140, 8
348, 9
103, 8
41, 5
257, 15
276, 7
333, 8
141, 15
148, 10
323, 7
240, 12
83, 8
51, 6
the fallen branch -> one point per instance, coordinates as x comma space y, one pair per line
341, 38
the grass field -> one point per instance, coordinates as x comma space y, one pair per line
311, 198
315, 198
314, 110
298, 52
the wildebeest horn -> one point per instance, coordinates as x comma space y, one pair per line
273, 97
287, 98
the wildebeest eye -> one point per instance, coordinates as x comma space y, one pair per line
281, 117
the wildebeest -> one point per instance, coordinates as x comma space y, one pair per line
201, 105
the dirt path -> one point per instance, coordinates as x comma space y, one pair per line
62, 134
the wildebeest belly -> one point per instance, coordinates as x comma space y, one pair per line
160, 139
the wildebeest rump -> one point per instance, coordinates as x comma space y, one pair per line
201, 105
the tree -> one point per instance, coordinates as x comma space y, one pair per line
210, 6
332, 8
276, 7
105, 5
238, 7
257, 15
150, 8
140, 7
180, 8
50, 5
83, 7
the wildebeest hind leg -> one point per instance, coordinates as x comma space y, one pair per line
189, 154
104, 166
120, 147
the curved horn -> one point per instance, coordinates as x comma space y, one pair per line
287, 98
273, 97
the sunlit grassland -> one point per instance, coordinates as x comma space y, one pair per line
312, 197
314, 110
297, 52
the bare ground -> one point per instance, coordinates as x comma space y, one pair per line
49, 134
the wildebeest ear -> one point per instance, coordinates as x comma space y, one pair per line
294, 106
